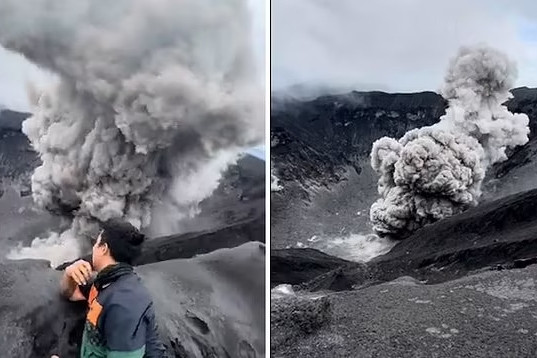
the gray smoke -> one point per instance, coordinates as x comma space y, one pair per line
274, 180
150, 93
437, 171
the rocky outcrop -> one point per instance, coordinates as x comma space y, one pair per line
294, 317
295, 266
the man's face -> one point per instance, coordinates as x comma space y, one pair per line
99, 251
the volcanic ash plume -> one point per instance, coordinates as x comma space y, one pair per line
437, 171
149, 93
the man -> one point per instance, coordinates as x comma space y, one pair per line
120, 322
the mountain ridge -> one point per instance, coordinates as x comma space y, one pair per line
320, 153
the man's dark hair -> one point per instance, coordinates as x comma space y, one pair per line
123, 239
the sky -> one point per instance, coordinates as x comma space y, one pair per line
392, 45
15, 74
258, 152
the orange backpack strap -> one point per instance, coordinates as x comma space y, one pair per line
95, 308
92, 294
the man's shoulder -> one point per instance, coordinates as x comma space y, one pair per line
128, 291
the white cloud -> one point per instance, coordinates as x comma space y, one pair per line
395, 45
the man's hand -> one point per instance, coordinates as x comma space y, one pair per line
80, 272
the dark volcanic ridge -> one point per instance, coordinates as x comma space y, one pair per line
336, 131
320, 154
17, 158
495, 235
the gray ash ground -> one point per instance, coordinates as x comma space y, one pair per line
491, 314
321, 157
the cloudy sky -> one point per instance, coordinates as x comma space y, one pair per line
16, 72
393, 45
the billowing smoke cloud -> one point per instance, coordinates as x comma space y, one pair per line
150, 93
437, 171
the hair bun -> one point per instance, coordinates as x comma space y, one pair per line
138, 239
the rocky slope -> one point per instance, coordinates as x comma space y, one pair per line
487, 315
313, 139
495, 235
17, 159
320, 152
461, 287
209, 306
